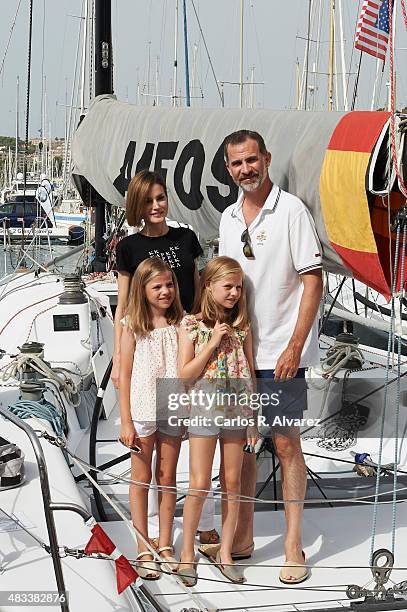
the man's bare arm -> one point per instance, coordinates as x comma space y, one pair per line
289, 360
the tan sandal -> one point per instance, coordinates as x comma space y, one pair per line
210, 551
147, 570
230, 572
187, 575
170, 560
294, 573
155, 543
244, 553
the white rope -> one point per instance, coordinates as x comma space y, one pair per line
338, 356
17, 367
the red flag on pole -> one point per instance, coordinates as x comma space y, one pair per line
101, 543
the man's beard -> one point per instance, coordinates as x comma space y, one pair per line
250, 187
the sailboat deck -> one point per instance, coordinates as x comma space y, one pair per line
337, 546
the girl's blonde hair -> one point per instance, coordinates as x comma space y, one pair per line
137, 195
138, 313
211, 312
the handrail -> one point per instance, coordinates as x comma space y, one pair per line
46, 498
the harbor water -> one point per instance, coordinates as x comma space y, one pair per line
14, 257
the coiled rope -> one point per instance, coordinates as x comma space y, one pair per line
17, 367
26, 409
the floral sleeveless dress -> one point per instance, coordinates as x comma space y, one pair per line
227, 365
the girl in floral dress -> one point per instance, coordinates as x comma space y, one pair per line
215, 352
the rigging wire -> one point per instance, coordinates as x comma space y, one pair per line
296, 606
42, 76
256, 35
353, 47
363, 499
27, 116
403, 190
208, 54
162, 37
398, 399
62, 56
389, 346
10, 37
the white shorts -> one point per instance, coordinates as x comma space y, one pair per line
147, 428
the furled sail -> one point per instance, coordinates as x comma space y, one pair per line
115, 140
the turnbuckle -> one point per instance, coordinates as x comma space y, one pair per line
58, 441
381, 573
78, 553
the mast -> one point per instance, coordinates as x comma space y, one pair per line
241, 54
343, 63
17, 123
307, 54
297, 85
103, 85
392, 42
157, 75
84, 49
331, 55
103, 48
187, 88
251, 96
174, 84
42, 144
148, 69
10, 166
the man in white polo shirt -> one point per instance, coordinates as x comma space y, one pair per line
272, 235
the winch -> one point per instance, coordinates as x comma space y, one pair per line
30, 385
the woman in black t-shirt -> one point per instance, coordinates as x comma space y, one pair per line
147, 207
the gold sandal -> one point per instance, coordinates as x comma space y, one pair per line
147, 570
297, 571
170, 560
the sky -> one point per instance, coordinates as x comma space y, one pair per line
143, 38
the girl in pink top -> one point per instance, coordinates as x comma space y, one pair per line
149, 344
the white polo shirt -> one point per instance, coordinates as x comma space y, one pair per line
285, 245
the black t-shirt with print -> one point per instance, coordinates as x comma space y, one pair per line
179, 247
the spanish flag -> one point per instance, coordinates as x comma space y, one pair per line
344, 200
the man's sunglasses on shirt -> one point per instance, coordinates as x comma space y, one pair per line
247, 244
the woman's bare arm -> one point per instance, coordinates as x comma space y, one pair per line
197, 281
123, 285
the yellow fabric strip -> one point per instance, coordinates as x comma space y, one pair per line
344, 202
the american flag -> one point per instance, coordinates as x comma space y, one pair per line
372, 31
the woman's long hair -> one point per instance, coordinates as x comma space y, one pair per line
137, 195
138, 313
215, 270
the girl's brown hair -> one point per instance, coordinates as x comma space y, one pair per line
137, 195
211, 312
138, 313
